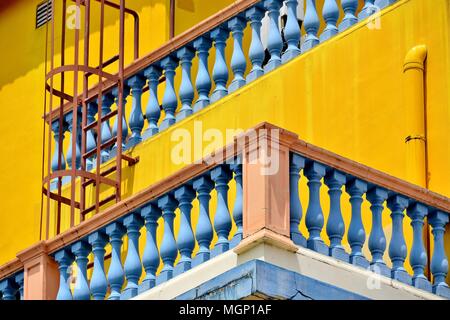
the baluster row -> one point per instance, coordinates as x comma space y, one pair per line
276, 38
171, 247
11, 288
378, 198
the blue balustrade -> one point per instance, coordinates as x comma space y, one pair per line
136, 121
368, 9
439, 261
297, 163
185, 55
349, 7
115, 231
274, 40
221, 175
314, 216
185, 239
81, 250
238, 203
106, 134
8, 289
418, 256
292, 33
91, 139
330, 15
256, 51
204, 230
335, 224
124, 133
19, 279
220, 70
99, 283
168, 249
383, 3
64, 258
170, 101
132, 266
150, 259
356, 234
69, 118
377, 240
397, 247
58, 160
238, 61
152, 111
203, 80
311, 24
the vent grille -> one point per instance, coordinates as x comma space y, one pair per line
43, 13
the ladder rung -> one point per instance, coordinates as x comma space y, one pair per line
103, 174
131, 161
102, 119
101, 203
102, 146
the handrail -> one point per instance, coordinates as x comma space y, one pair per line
169, 47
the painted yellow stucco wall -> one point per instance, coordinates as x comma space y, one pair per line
347, 95
22, 95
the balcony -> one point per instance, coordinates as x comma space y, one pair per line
226, 217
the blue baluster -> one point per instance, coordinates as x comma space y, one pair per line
274, 40
297, 163
91, 144
136, 84
397, 248
132, 266
314, 216
383, 3
311, 24
356, 234
81, 250
115, 93
69, 119
220, 70
349, 7
377, 240
99, 283
330, 14
150, 258
335, 224
170, 101
19, 279
418, 256
291, 32
8, 288
221, 175
238, 203
439, 262
65, 260
185, 55
168, 246
58, 138
238, 61
368, 10
106, 134
256, 51
153, 111
204, 231
115, 231
203, 80
185, 239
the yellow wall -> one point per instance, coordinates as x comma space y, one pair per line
22, 97
347, 96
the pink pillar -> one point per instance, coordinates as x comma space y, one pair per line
41, 275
